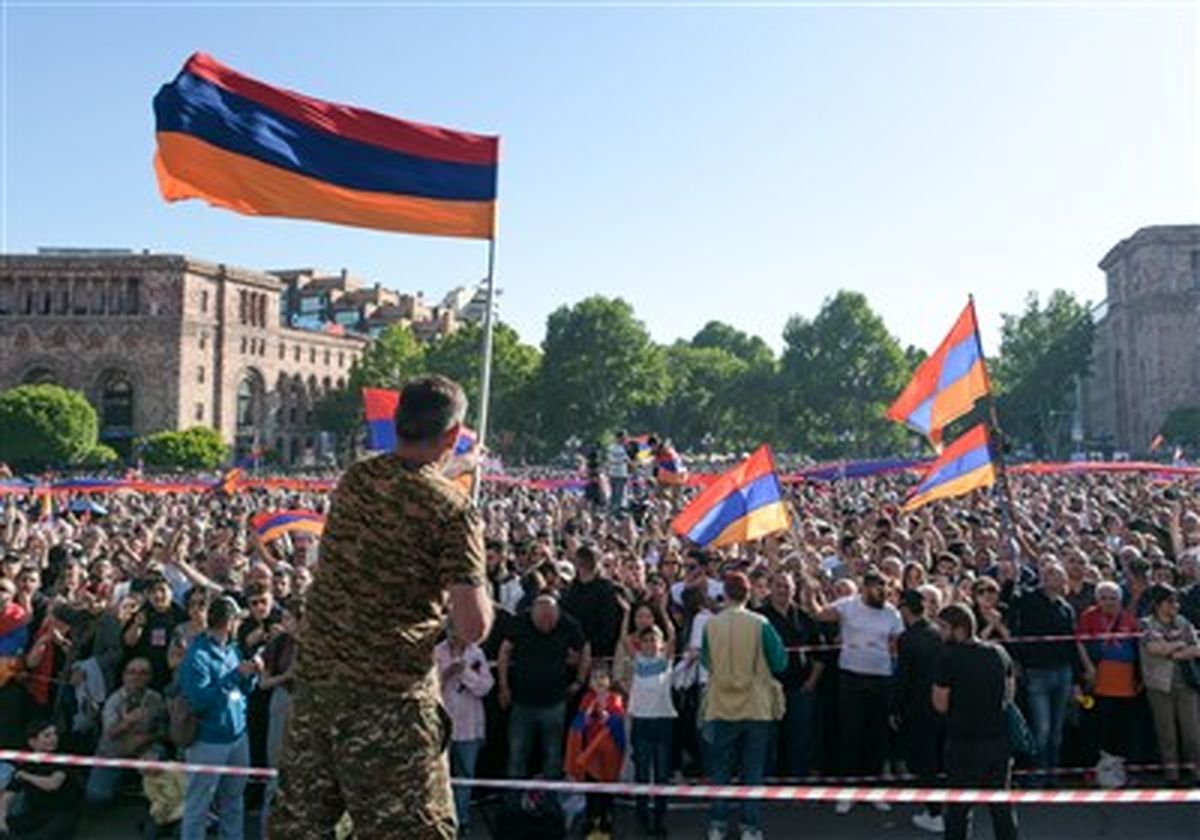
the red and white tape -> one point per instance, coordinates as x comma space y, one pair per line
133, 764
829, 793
778, 793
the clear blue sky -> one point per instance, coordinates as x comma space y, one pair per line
730, 163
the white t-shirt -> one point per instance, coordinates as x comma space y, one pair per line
866, 636
618, 461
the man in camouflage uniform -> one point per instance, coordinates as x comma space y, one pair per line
368, 735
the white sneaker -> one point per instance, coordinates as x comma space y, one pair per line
843, 807
752, 834
882, 807
716, 833
928, 822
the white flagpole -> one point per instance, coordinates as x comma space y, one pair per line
485, 378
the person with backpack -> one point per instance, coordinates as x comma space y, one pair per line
215, 681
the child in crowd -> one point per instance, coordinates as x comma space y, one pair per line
596, 748
653, 714
466, 680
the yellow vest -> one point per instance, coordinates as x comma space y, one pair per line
739, 680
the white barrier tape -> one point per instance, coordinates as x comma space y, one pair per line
789, 793
133, 764
828, 793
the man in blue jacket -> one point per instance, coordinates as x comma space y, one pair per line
216, 682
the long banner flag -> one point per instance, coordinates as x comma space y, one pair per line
947, 384
744, 504
247, 146
965, 465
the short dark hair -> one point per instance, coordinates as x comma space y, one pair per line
873, 577
258, 589
956, 616
1160, 593
36, 727
737, 587
222, 611
587, 558
429, 407
912, 601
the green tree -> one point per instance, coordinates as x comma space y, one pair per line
513, 422
45, 425
1182, 426
395, 357
699, 403
840, 371
391, 360
599, 369
99, 456
1044, 351
197, 448
749, 348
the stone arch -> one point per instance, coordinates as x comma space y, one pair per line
40, 374
115, 400
249, 410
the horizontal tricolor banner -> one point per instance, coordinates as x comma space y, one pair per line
240, 144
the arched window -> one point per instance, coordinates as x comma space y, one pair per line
116, 404
245, 404
39, 376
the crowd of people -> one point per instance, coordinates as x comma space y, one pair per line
866, 644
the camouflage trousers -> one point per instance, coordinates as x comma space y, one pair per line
382, 760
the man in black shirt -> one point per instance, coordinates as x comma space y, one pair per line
532, 671
795, 740
1049, 667
973, 687
920, 652
595, 603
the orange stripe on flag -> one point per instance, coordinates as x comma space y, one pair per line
190, 168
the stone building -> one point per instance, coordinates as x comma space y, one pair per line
165, 341
1146, 357
313, 298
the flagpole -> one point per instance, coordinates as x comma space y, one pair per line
1006, 518
485, 377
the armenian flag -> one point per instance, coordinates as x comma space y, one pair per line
595, 746
965, 465
668, 466
947, 384
228, 482
742, 505
466, 443
379, 407
247, 146
272, 525
641, 450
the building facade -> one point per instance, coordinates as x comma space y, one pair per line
165, 341
1146, 357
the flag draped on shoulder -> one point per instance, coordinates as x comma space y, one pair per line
965, 465
256, 149
596, 740
744, 504
379, 407
272, 525
947, 384
668, 466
